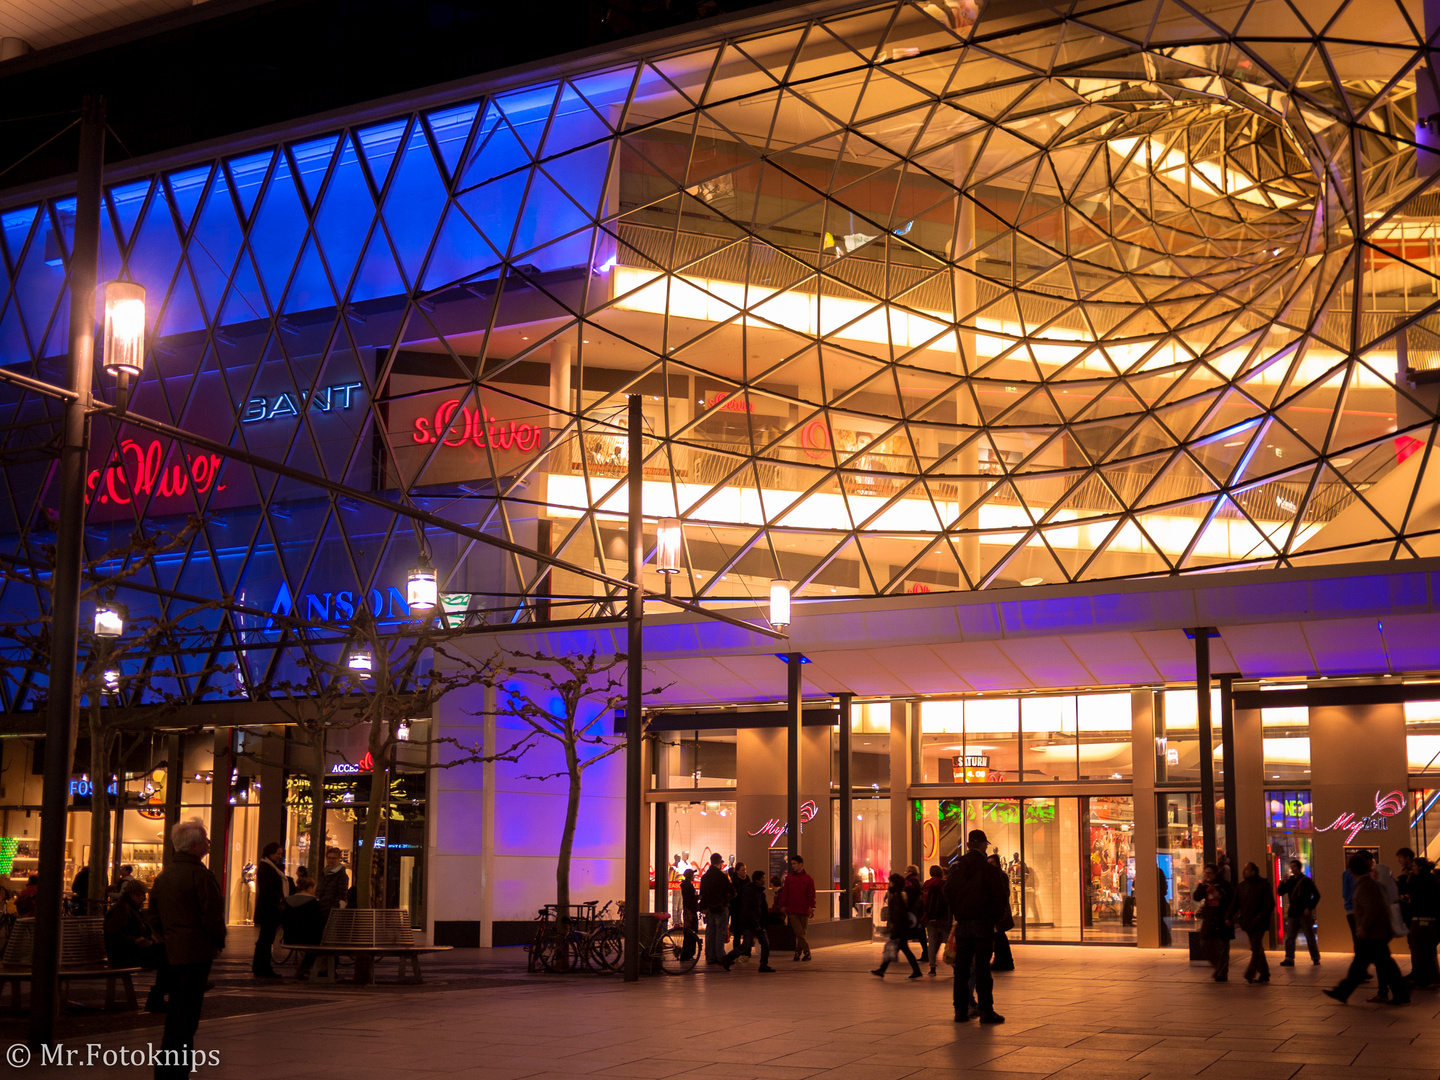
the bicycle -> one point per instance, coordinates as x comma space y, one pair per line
585, 942
675, 951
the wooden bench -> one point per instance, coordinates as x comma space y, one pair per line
82, 957
369, 932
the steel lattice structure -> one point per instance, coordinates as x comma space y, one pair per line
919, 296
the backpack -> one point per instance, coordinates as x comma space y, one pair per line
936, 910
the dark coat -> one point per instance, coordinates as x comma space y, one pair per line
978, 895
1252, 908
124, 929
689, 899
269, 893
1424, 895
748, 910
716, 889
1372, 911
1303, 894
303, 920
1214, 900
189, 911
898, 917
331, 888
936, 910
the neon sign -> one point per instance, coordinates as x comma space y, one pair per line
135, 470
335, 396
339, 606
775, 828
475, 426
86, 788
364, 765
733, 405
815, 439
1386, 807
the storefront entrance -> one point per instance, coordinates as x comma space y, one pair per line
1070, 860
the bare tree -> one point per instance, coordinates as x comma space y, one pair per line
562, 700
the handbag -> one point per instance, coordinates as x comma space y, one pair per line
949, 954
892, 951
1004, 923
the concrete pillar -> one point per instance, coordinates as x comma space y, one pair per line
562, 356
904, 719
759, 796
1147, 882
1356, 751
271, 823
1248, 844
460, 823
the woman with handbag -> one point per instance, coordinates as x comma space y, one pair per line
1214, 898
899, 925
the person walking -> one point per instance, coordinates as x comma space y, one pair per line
129, 941
1398, 929
899, 927
979, 899
796, 901
80, 890
1304, 898
1373, 931
747, 919
689, 910
1347, 889
189, 916
1424, 925
271, 889
1251, 912
937, 914
1214, 898
1004, 958
716, 892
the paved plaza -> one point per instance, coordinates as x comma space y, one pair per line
1071, 1012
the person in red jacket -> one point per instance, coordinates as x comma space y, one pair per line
796, 901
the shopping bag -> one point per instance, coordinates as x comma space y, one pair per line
949, 954
892, 951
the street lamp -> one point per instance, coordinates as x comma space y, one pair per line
109, 620
422, 586
667, 546
112, 681
124, 330
780, 604
402, 731
360, 659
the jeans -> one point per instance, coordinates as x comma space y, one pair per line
261, 963
1424, 971
903, 943
1369, 952
717, 928
1298, 923
745, 943
1219, 956
1258, 967
800, 924
973, 953
936, 933
186, 985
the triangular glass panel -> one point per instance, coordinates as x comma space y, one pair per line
380, 143
451, 128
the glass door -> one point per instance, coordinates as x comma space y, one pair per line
1109, 871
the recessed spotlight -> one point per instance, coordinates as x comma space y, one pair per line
1031, 580
1341, 462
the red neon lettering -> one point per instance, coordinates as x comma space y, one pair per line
815, 439
475, 426
734, 405
1386, 806
135, 470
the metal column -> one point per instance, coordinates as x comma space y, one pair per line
633, 674
1227, 761
847, 810
1205, 736
61, 709
793, 716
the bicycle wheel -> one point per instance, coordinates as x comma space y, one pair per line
679, 950
548, 951
606, 948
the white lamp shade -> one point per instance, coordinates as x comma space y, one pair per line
124, 328
422, 587
109, 623
402, 731
112, 680
780, 603
667, 546
359, 659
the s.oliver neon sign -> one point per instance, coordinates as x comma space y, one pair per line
136, 470
1386, 807
456, 425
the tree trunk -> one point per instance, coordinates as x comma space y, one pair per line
94, 902
567, 845
379, 789
316, 858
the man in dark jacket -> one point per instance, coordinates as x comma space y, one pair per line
129, 941
978, 896
716, 892
1299, 913
304, 922
1251, 911
1372, 937
1424, 924
271, 889
189, 915
747, 919
334, 883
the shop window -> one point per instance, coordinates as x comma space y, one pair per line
1177, 739
1104, 725
1287, 744
695, 759
1425, 822
1422, 737
1288, 810
1049, 725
